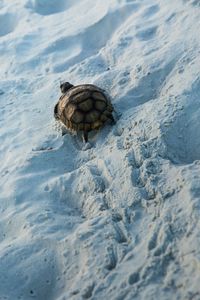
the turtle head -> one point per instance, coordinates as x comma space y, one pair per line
65, 87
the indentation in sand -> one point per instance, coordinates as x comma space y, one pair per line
183, 135
8, 23
49, 7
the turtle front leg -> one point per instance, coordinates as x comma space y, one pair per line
113, 122
64, 130
85, 136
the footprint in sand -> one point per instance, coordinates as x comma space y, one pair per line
193, 2
49, 7
8, 23
150, 11
196, 3
147, 34
134, 278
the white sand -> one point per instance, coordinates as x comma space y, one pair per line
119, 220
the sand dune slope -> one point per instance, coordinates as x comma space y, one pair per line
118, 219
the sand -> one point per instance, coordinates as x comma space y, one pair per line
117, 218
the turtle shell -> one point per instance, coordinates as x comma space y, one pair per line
84, 108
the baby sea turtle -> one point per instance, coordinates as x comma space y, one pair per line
83, 107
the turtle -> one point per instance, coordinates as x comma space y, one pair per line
83, 108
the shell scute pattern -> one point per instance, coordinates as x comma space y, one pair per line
86, 105
83, 108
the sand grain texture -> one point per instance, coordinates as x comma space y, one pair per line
120, 219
